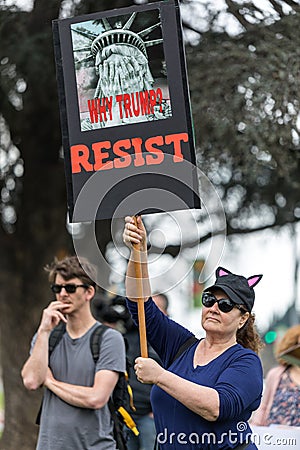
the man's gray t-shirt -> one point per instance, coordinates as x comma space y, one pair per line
66, 427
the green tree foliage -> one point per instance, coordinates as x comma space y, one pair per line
245, 98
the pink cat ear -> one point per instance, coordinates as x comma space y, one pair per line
252, 281
220, 272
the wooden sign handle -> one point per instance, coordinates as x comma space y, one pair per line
141, 306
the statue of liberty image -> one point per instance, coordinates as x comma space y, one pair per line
121, 78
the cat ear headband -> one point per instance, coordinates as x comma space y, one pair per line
252, 281
238, 288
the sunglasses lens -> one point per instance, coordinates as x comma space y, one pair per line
70, 288
208, 299
225, 305
56, 288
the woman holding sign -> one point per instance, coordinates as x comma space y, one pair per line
207, 389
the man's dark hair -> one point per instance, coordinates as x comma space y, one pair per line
71, 267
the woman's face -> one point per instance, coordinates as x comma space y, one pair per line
217, 322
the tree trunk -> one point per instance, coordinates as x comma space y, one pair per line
41, 235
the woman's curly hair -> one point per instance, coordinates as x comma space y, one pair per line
248, 335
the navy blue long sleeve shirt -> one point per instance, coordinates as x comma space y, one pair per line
236, 375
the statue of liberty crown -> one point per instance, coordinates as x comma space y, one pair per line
120, 35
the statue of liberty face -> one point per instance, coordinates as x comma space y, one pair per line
113, 63
120, 55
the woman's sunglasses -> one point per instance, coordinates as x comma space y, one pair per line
224, 304
70, 288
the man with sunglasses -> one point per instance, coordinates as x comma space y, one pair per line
206, 390
75, 414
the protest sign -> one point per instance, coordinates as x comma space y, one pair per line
125, 112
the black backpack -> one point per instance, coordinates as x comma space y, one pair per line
120, 401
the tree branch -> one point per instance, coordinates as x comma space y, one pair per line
189, 27
293, 4
174, 250
277, 7
233, 8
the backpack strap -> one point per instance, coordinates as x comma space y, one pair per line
115, 410
95, 344
95, 341
186, 345
56, 335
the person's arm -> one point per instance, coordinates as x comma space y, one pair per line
136, 236
93, 397
200, 399
34, 371
260, 416
238, 386
111, 361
